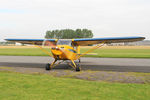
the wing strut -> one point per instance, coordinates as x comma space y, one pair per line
43, 50
95, 47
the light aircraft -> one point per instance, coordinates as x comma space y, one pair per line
69, 49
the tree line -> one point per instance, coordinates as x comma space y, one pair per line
69, 33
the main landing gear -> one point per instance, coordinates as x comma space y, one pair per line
73, 65
79, 60
47, 67
77, 68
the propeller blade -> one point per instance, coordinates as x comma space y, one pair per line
48, 43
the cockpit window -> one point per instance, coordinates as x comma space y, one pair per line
64, 42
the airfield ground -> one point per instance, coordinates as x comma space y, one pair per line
16, 86
27, 80
106, 51
96, 69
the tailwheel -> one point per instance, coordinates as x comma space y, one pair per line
47, 67
77, 68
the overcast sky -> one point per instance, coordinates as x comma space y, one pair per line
106, 18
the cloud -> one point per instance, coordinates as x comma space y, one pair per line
31, 18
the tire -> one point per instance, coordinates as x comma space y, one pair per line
47, 67
79, 60
78, 68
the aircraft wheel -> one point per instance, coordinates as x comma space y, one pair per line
79, 60
78, 68
47, 67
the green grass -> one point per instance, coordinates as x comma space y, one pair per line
16, 86
121, 53
104, 52
23, 51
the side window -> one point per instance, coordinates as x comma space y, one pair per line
72, 50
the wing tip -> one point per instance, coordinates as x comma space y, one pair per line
142, 38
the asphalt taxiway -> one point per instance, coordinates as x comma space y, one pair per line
96, 64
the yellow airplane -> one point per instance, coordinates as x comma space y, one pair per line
69, 49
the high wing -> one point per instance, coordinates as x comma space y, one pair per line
81, 42
32, 41
89, 41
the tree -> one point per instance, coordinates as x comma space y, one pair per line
69, 34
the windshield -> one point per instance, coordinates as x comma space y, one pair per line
64, 42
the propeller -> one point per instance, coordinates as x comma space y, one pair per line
46, 42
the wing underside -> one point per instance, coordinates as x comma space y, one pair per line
90, 41
81, 42
32, 41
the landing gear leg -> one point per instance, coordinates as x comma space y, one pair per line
76, 66
50, 66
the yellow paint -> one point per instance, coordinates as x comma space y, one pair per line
53, 63
74, 63
78, 49
64, 52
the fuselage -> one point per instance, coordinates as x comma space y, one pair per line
64, 52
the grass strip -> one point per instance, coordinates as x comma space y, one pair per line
16, 86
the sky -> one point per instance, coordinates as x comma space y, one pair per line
106, 18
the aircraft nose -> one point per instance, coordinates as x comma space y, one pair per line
56, 51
